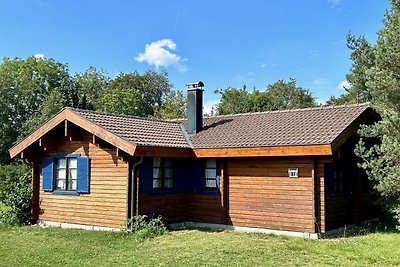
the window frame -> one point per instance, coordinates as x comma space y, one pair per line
163, 161
49, 174
338, 182
205, 178
68, 178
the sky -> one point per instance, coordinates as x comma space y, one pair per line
223, 43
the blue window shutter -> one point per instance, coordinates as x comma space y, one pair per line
48, 174
83, 174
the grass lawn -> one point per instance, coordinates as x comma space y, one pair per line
34, 246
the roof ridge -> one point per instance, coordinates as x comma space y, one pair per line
290, 110
120, 115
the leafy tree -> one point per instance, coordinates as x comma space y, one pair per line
126, 101
233, 100
381, 160
173, 107
287, 95
51, 105
279, 95
89, 85
24, 84
152, 87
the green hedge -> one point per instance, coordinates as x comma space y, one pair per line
15, 194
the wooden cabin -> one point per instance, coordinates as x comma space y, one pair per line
291, 171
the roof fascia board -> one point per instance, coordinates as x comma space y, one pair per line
307, 150
42, 130
104, 134
352, 128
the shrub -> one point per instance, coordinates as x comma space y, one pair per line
145, 227
15, 194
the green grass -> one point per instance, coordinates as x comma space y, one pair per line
34, 246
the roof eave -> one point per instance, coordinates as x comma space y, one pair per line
270, 151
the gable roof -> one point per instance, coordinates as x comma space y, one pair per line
311, 127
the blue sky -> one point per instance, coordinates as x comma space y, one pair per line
223, 43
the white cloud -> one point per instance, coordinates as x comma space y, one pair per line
209, 106
334, 3
38, 56
160, 54
263, 65
344, 84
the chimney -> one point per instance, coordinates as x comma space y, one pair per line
194, 107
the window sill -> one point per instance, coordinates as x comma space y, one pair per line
60, 192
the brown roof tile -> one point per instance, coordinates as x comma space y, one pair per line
140, 131
310, 126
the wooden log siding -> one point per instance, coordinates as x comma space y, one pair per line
262, 195
172, 207
106, 205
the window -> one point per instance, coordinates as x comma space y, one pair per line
163, 173
337, 182
66, 174
210, 174
293, 172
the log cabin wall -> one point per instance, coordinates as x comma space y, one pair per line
187, 201
106, 204
171, 204
356, 202
262, 195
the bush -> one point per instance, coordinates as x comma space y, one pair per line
15, 194
145, 227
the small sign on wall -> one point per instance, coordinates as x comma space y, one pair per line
293, 172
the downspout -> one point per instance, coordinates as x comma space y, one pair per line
133, 189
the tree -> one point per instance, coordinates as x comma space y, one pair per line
363, 58
126, 101
89, 85
174, 106
287, 95
151, 86
233, 100
24, 84
279, 95
381, 160
52, 104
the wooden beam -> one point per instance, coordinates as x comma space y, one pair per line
65, 128
309, 150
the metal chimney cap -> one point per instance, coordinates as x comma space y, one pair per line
195, 85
